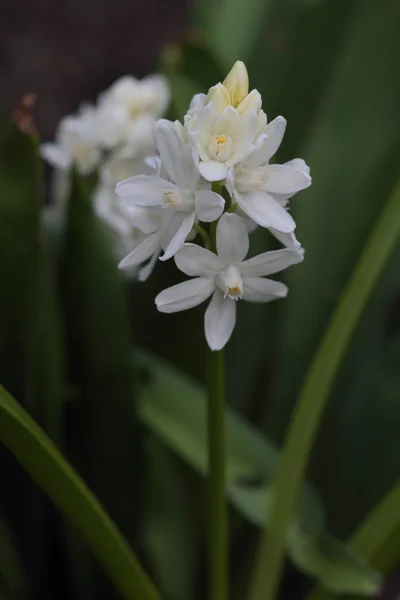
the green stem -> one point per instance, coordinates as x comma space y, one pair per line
314, 395
203, 233
218, 515
218, 518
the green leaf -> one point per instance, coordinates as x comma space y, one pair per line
315, 393
167, 530
55, 476
12, 576
293, 62
337, 567
174, 407
20, 205
336, 214
377, 538
105, 442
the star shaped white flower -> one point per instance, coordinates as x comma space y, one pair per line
178, 189
262, 190
75, 144
227, 277
220, 139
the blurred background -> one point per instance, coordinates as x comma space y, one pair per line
331, 68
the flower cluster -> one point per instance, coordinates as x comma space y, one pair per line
215, 168
112, 139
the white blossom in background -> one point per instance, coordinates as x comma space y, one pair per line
227, 277
112, 139
179, 190
75, 144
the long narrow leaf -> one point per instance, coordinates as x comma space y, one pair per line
315, 393
55, 476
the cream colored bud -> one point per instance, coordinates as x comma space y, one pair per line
219, 96
252, 101
237, 82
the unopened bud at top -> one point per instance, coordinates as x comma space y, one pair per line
237, 82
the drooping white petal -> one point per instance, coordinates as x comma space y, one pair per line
264, 210
56, 156
209, 205
185, 295
147, 270
281, 179
144, 190
145, 219
270, 262
258, 289
212, 170
219, 320
287, 239
142, 252
269, 143
180, 236
232, 239
197, 261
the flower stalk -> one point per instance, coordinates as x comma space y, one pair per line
218, 517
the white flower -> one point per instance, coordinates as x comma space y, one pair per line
221, 139
150, 95
75, 144
227, 277
178, 189
262, 190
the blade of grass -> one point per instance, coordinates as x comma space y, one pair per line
312, 400
40, 457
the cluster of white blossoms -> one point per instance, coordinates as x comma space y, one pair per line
215, 169
111, 138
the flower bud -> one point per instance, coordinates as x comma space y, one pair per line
219, 96
252, 101
237, 82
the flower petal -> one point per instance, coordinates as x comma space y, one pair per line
144, 190
219, 320
147, 270
299, 164
265, 210
142, 252
175, 155
281, 179
185, 295
180, 236
197, 261
270, 262
268, 144
287, 239
232, 239
212, 170
56, 156
257, 289
209, 205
